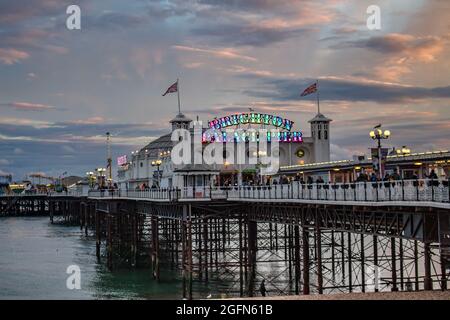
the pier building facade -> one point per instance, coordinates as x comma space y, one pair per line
151, 166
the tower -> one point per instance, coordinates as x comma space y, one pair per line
320, 134
180, 122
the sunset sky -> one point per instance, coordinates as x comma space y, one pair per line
61, 90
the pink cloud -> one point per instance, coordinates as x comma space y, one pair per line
226, 53
27, 106
11, 56
91, 120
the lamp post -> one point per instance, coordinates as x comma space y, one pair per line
90, 176
405, 151
101, 175
157, 163
378, 135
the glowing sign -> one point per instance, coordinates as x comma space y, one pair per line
251, 118
221, 136
122, 160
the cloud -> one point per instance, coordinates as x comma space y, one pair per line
91, 120
4, 173
227, 53
261, 23
15, 12
116, 20
247, 35
18, 151
341, 89
68, 149
424, 48
27, 106
4, 162
400, 52
11, 56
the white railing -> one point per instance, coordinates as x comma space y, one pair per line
166, 194
400, 190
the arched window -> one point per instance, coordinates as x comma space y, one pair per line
318, 135
326, 135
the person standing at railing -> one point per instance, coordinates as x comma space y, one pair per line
362, 177
395, 176
434, 178
432, 175
386, 180
373, 177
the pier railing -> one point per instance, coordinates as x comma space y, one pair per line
164, 194
399, 190
420, 190
44, 193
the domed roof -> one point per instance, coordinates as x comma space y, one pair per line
180, 118
320, 118
160, 144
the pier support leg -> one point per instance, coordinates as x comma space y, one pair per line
98, 233
375, 261
252, 247
319, 258
305, 249
428, 284
394, 265
297, 257
155, 247
350, 267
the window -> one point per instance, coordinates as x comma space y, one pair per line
325, 135
318, 135
142, 164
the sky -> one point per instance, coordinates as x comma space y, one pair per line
61, 90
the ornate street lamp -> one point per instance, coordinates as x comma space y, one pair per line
378, 134
90, 176
404, 151
157, 163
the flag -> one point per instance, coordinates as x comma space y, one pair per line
173, 88
311, 89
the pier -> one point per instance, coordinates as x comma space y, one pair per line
300, 238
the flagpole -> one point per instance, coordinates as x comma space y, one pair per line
317, 93
178, 92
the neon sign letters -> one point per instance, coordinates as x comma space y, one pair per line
122, 160
251, 118
221, 136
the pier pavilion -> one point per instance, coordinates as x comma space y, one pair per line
151, 165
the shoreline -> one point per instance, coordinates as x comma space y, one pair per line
415, 295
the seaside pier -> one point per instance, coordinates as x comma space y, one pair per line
298, 238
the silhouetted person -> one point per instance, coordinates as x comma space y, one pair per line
262, 288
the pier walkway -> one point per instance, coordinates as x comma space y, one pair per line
424, 193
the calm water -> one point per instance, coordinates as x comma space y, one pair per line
34, 256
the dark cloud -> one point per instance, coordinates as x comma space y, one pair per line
247, 35
65, 130
421, 47
344, 90
254, 5
52, 159
113, 20
64, 146
17, 12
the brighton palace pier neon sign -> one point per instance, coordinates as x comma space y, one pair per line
251, 118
